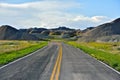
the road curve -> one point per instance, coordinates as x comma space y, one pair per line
76, 65
37, 66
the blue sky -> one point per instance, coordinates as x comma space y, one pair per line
54, 13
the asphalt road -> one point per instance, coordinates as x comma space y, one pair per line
37, 66
73, 64
76, 65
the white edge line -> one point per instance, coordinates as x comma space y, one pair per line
21, 58
103, 63
109, 67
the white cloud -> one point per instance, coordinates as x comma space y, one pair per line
93, 18
98, 18
46, 14
82, 21
6, 5
43, 5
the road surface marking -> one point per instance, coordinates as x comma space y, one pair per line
22, 58
104, 64
57, 66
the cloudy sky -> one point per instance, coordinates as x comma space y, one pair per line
53, 13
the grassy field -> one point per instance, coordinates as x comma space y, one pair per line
11, 50
109, 53
113, 48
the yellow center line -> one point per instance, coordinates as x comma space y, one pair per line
57, 66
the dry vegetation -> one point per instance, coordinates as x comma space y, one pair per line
109, 53
111, 47
11, 50
8, 46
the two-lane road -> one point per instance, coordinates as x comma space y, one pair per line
58, 62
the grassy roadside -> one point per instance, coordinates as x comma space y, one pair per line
12, 55
111, 59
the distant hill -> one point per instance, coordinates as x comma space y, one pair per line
102, 32
87, 29
62, 28
9, 33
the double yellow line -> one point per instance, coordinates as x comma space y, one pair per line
56, 70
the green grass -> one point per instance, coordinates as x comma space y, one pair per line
111, 59
7, 57
112, 47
